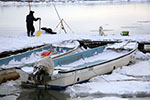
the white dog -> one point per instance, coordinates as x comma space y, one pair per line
101, 32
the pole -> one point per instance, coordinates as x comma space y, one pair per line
62, 26
39, 24
29, 6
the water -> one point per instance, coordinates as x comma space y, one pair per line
82, 18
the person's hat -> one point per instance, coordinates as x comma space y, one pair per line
31, 12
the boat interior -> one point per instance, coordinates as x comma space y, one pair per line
90, 57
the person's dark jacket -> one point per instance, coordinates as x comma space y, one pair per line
30, 18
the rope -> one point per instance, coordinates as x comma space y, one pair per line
101, 77
57, 25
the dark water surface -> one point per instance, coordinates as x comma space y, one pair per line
13, 91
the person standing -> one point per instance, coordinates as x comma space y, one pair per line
29, 22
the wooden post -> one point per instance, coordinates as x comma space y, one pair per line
141, 46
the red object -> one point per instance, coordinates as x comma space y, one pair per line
46, 53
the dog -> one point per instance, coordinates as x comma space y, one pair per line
101, 32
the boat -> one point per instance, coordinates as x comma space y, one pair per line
8, 72
82, 66
58, 51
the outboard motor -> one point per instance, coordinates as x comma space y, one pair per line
43, 70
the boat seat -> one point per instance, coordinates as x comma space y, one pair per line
82, 55
67, 59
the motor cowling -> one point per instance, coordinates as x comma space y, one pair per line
43, 70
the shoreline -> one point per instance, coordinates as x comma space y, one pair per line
23, 3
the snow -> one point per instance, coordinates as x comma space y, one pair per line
142, 56
28, 69
132, 80
27, 60
22, 41
67, 43
125, 45
138, 67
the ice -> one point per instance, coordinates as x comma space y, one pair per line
9, 87
110, 98
142, 56
138, 69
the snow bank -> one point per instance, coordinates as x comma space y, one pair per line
142, 56
138, 69
123, 88
12, 43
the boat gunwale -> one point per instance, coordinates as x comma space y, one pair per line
103, 62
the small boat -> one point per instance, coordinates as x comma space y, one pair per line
10, 73
82, 66
56, 51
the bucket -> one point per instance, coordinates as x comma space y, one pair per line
125, 33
